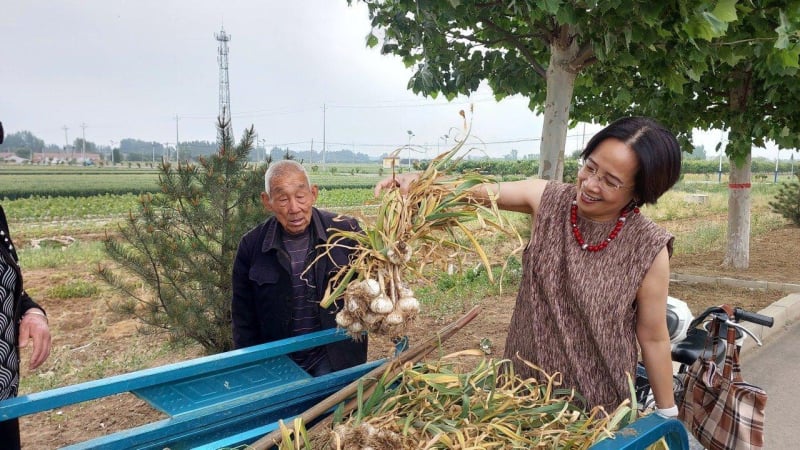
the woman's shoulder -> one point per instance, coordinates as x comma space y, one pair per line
647, 230
557, 193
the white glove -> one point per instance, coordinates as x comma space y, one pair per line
668, 413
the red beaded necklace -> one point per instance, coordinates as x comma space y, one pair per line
573, 219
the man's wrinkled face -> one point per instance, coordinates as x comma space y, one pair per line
291, 200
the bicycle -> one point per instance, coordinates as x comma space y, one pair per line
686, 348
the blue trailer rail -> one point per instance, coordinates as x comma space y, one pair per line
645, 432
226, 399
234, 398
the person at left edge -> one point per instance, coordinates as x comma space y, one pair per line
274, 296
22, 323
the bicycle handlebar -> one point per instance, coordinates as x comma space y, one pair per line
747, 316
739, 314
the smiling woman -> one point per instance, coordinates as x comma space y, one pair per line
569, 287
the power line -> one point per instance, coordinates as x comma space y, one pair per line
366, 144
386, 104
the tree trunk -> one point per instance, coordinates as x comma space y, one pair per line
560, 86
737, 254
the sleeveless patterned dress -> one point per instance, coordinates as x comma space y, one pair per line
575, 310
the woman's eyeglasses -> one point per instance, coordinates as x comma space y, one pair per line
589, 170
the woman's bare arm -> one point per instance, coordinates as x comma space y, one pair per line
521, 196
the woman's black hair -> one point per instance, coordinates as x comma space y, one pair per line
657, 151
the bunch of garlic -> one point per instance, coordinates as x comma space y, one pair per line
368, 307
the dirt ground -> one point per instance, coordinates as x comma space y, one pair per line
79, 331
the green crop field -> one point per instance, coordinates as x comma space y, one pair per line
20, 181
58, 181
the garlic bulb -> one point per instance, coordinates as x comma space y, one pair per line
381, 304
394, 258
408, 305
394, 318
353, 305
404, 291
372, 287
355, 327
371, 318
343, 319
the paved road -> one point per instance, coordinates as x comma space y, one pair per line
775, 367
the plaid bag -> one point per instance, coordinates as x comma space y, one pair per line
720, 409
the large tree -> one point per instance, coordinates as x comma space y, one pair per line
538, 48
745, 82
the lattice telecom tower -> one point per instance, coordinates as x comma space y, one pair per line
224, 85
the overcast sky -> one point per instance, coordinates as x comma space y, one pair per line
299, 71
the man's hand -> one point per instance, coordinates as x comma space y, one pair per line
402, 181
34, 327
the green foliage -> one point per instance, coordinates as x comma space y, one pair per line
345, 197
181, 243
787, 201
53, 208
73, 289
550, 52
743, 80
65, 181
470, 284
80, 253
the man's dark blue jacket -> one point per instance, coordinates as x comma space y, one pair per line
262, 287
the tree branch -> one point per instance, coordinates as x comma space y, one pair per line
584, 58
518, 44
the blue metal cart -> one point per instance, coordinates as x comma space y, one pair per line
234, 398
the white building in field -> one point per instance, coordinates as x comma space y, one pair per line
11, 158
51, 158
391, 161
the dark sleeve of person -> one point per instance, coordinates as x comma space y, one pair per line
246, 331
26, 303
347, 353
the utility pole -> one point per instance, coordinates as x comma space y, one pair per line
66, 140
112, 153
410, 135
177, 142
324, 108
777, 160
83, 151
583, 137
264, 148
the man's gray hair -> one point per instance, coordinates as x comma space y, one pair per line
282, 168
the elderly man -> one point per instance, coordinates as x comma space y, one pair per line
274, 295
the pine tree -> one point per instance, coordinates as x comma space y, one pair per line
176, 253
787, 201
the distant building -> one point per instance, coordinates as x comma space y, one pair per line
391, 161
11, 158
51, 158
